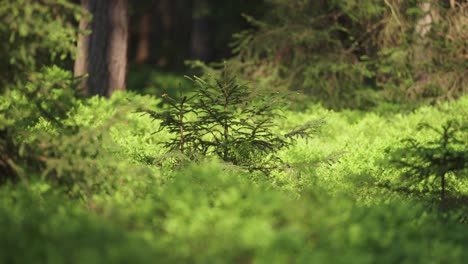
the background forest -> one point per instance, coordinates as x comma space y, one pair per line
262, 131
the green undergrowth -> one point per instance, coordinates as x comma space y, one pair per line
110, 193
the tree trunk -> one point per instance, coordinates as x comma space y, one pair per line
200, 31
81, 61
424, 24
421, 53
144, 32
165, 24
103, 54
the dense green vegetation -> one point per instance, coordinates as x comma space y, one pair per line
122, 200
225, 119
222, 170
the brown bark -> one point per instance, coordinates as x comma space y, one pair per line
81, 61
143, 48
103, 54
119, 46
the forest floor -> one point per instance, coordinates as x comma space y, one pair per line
340, 200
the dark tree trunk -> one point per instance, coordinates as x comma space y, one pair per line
103, 54
144, 37
200, 31
163, 27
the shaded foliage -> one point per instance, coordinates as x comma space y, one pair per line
34, 34
425, 162
48, 95
356, 53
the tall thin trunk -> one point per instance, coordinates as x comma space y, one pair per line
81, 61
103, 54
422, 54
424, 24
163, 32
200, 31
143, 48
117, 59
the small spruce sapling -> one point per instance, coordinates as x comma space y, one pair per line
422, 160
235, 127
230, 123
175, 118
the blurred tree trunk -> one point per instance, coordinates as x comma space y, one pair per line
103, 54
423, 25
422, 53
144, 37
200, 31
81, 61
163, 32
